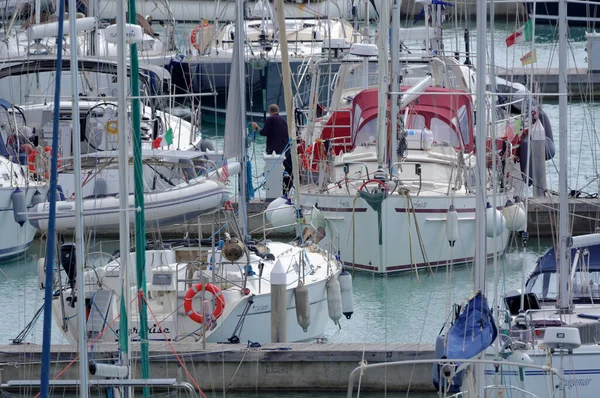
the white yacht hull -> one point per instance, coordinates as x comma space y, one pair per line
167, 317
582, 373
407, 227
15, 238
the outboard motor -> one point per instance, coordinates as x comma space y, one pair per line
68, 260
206, 145
187, 167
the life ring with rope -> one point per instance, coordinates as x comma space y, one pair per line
37, 165
194, 35
191, 293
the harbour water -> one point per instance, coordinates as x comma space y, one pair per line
406, 308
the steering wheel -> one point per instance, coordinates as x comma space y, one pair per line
101, 121
380, 183
16, 117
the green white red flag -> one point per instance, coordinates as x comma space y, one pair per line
525, 33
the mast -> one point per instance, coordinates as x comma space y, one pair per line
123, 131
382, 96
140, 222
50, 246
289, 106
563, 209
480, 192
395, 86
81, 308
241, 62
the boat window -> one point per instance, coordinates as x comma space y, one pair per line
463, 123
586, 285
415, 122
366, 135
442, 132
38, 88
357, 120
355, 77
544, 286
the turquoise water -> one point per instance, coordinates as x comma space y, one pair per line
406, 308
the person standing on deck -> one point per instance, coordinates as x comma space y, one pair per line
276, 131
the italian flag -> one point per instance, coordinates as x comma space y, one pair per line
163, 139
525, 33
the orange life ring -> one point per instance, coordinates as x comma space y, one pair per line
191, 293
194, 35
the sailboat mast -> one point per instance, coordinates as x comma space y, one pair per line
563, 222
79, 258
123, 131
395, 84
287, 94
140, 222
50, 244
480, 199
383, 46
241, 62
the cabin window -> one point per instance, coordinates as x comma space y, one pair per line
38, 88
357, 120
415, 121
442, 132
367, 134
355, 77
544, 286
585, 286
463, 123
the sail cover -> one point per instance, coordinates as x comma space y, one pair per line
474, 330
234, 121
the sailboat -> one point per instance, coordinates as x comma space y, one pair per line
181, 178
239, 278
207, 65
37, 36
460, 364
403, 188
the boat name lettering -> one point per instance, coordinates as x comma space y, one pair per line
344, 204
154, 329
261, 308
570, 383
417, 204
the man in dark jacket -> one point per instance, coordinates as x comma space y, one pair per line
276, 131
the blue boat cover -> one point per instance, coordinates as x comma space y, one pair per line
548, 263
473, 331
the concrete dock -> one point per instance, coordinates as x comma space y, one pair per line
227, 367
542, 217
581, 85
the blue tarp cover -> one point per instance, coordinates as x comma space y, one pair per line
473, 331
